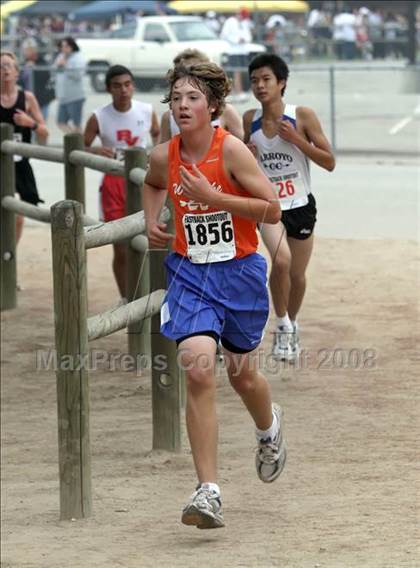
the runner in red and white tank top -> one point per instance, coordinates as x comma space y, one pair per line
121, 124
216, 281
121, 130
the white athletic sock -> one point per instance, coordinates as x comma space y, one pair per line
294, 324
270, 433
284, 322
211, 487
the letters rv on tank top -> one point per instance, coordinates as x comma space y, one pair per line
205, 234
283, 163
123, 130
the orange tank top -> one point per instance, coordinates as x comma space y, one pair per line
205, 234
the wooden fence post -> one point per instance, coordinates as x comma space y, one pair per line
138, 279
70, 311
8, 226
166, 376
74, 174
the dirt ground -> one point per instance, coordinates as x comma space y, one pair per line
347, 497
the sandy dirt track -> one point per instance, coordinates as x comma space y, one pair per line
348, 495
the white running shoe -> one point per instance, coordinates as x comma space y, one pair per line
270, 456
294, 345
204, 509
281, 344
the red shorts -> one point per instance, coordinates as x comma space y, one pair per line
112, 198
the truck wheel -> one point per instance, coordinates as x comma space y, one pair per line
97, 80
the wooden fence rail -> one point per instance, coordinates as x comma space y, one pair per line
99, 163
26, 209
114, 231
36, 213
123, 316
118, 230
46, 153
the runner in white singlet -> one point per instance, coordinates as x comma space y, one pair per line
285, 138
121, 124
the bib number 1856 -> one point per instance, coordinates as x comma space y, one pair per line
210, 233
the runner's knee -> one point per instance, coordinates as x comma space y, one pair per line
297, 279
243, 382
281, 264
199, 380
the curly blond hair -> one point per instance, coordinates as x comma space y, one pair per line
208, 77
190, 56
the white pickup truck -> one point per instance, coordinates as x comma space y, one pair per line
148, 45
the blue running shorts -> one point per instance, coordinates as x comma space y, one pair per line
224, 299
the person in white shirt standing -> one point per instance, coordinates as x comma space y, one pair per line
124, 123
344, 34
212, 22
237, 32
285, 138
69, 66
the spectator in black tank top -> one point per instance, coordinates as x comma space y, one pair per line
21, 109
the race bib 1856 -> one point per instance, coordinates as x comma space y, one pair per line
209, 237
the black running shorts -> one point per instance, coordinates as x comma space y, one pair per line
300, 222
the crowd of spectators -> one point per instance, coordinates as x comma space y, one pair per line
349, 34
361, 33
365, 33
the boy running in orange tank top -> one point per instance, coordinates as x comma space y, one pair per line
216, 281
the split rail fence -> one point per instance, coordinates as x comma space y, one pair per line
73, 233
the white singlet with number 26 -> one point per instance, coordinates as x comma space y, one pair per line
283, 163
209, 237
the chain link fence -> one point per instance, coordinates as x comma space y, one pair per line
368, 108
